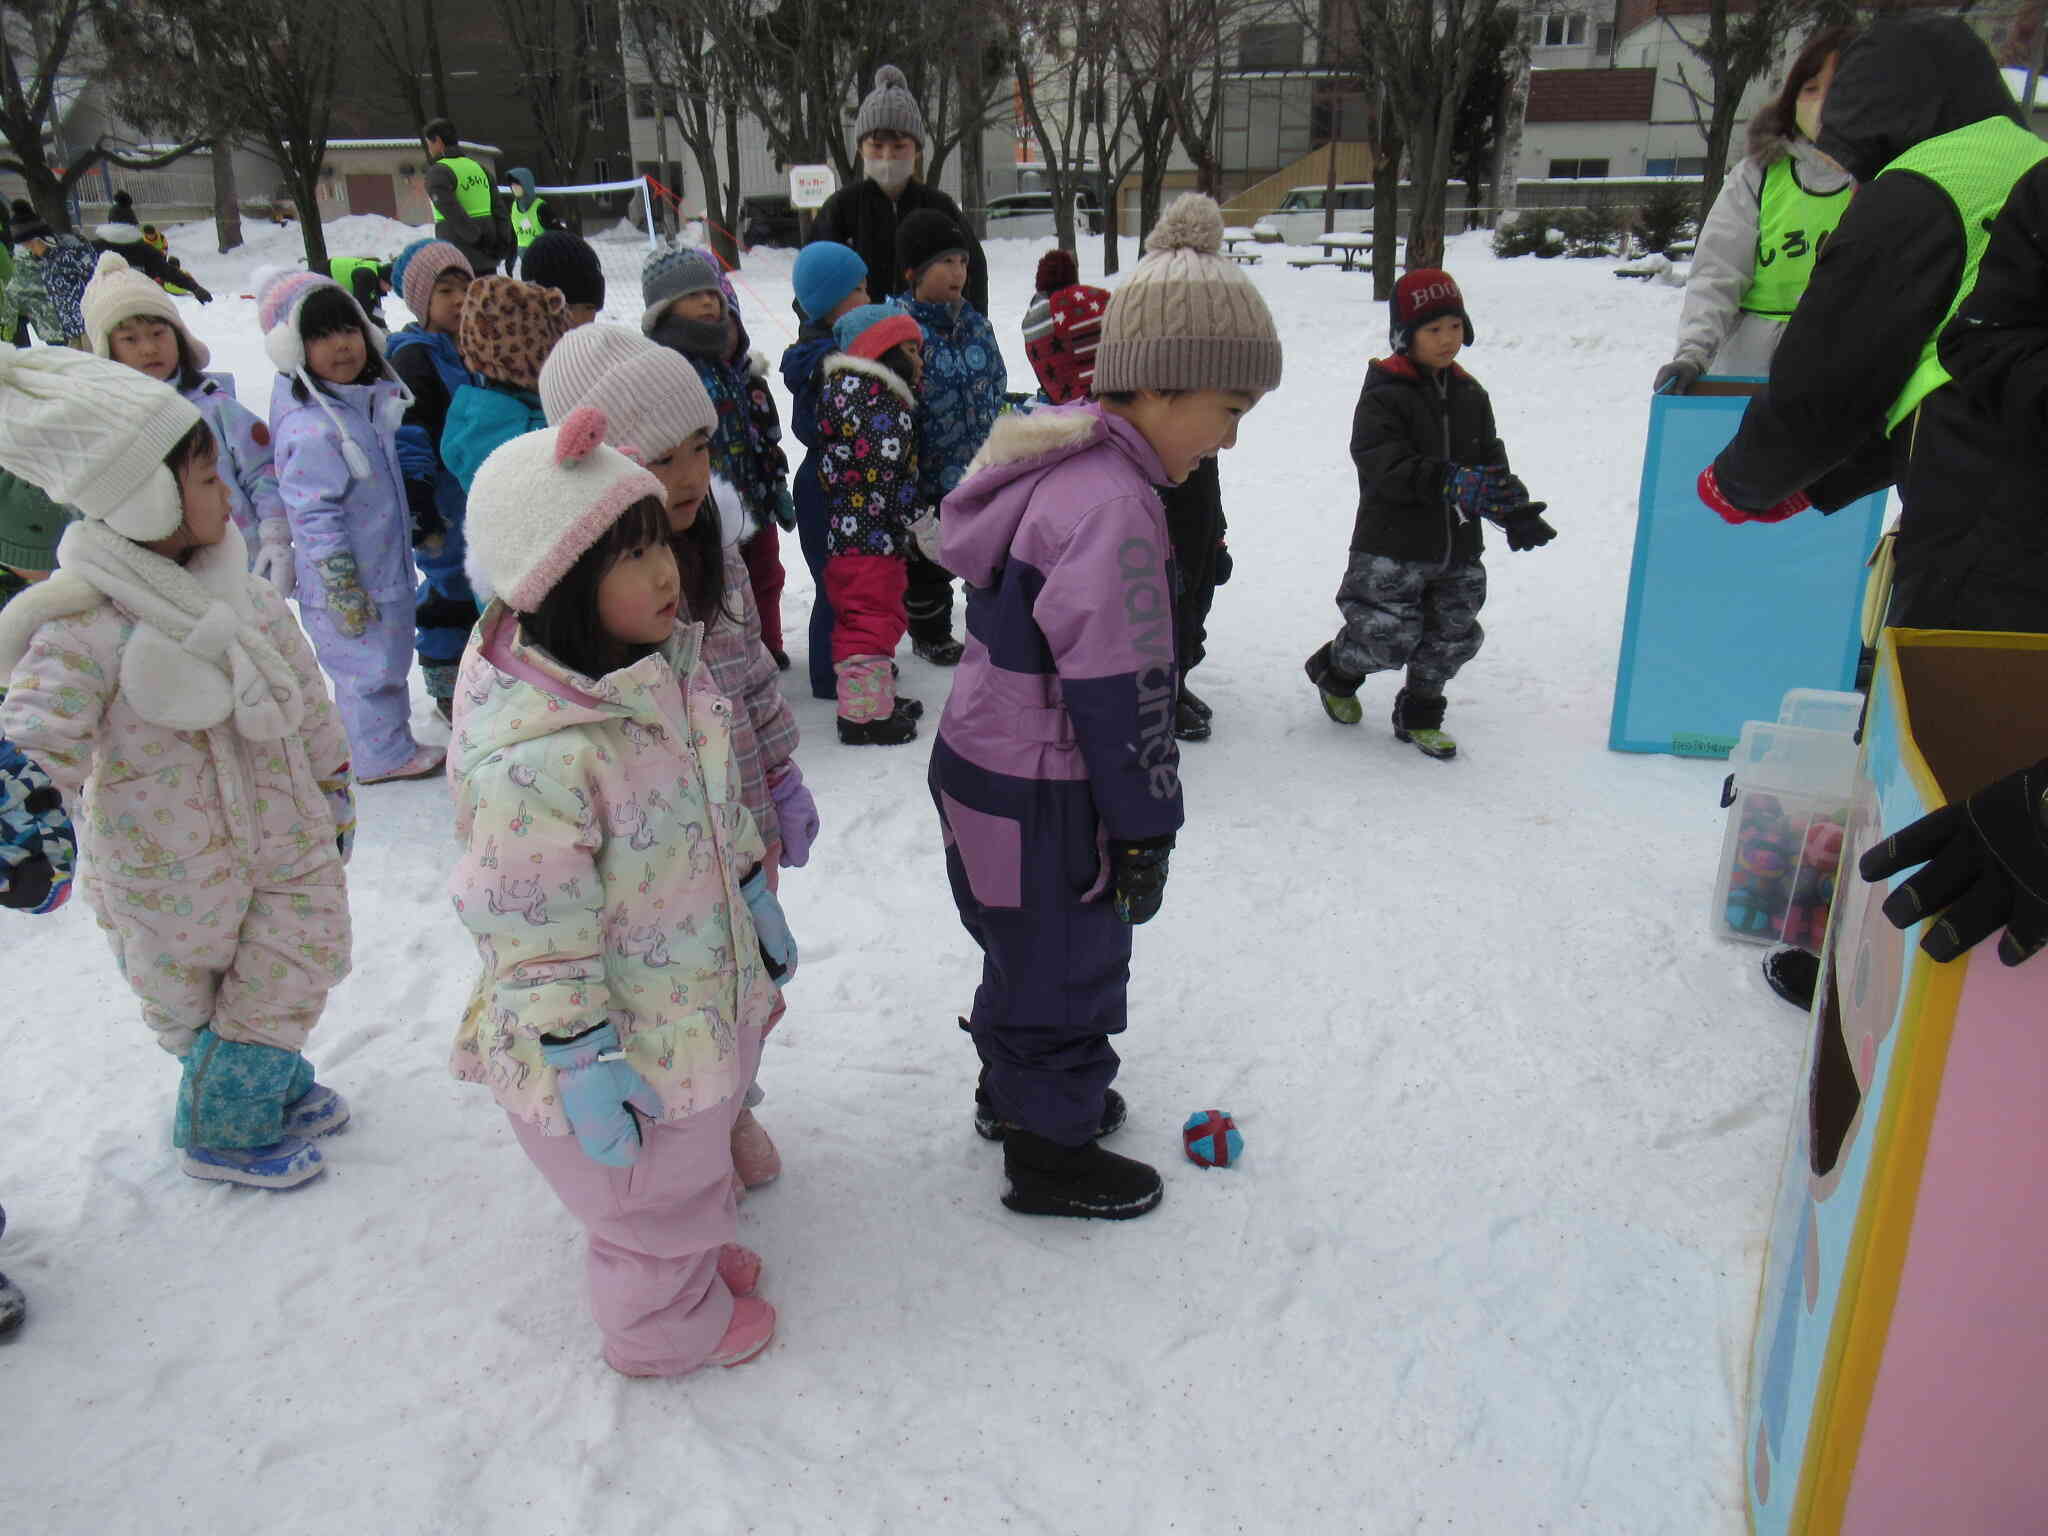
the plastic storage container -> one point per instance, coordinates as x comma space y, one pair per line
1818, 709
1788, 801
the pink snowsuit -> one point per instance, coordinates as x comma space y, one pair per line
605, 841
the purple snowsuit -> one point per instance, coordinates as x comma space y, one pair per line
247, 464
1058, 736
331, 513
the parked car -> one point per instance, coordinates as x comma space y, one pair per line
1029, 214
768, 219
1299, 218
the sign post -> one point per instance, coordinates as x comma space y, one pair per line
811, 185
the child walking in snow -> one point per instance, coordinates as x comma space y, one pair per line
1056, 772
131, 320
656, 411
334, 417
432, 277
1430, 467
830, 279
868, 470
689, 310
167, 700
616, 887
962, 394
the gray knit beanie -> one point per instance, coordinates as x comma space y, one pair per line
890, 105
667, 276
1187, 317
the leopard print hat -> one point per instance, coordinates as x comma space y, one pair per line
508, 328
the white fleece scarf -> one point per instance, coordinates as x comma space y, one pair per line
198, 654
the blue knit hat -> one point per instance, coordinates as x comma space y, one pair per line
667, 276
826, 272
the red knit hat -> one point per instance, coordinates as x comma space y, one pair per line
1056, 270
1063, 355
1422, 295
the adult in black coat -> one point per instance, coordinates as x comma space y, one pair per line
891, 134
1880, 290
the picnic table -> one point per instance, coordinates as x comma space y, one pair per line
1345, 251
1234, 236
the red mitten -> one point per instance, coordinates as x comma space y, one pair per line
1728, 512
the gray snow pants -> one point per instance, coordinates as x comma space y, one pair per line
1409, 613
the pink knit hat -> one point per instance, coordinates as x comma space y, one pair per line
541, 501
281, 292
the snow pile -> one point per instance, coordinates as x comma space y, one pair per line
1513, 1117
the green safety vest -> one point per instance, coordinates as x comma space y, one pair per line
472, 187
1977, 167
342, 268
526, 221
1791, 227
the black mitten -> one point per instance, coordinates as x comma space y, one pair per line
1529, 531
1138, 868
1987, 868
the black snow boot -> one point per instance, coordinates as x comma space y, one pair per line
13, 1305
1190, 723
933, 640
1047, 1179
1200, 707
890, 730
1418, 720
1793, 974
990, 1126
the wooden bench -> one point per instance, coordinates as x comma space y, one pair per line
1233, 237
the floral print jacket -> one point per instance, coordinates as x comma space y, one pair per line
867, 458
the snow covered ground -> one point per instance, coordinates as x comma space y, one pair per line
1513, 1119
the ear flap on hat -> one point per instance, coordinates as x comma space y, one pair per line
153, 512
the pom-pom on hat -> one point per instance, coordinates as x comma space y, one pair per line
651, 396
540, 501
1423, 295
508, 328
890, 105
419, 266
668, 275
826, 272
118, 293
923, 238
873, 329
1056, 269
281, 293
93, 434
1188, 317
566, 263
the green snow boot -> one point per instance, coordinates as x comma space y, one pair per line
1338, 692
1419, 722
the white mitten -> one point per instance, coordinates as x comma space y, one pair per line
273, 560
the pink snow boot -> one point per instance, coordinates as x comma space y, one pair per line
754, 1157
739, 1268
752, 1326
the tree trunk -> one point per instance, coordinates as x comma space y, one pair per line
1429, 150
725, 238
1720, 129
46, 191
1386, 213
305, 185
227, 200
1330, 188
1507, 146
973, 173
436, 72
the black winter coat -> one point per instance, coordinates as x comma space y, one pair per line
1409, 429
864, 217
1881, 287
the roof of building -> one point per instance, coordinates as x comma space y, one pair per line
1591, 95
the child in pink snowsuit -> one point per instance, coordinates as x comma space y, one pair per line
335, 411
170, 700
614, 882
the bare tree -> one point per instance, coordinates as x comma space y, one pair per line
675, 42
402, 35
564, 78
1145, 49
1055, 46
1197, 33
47, 47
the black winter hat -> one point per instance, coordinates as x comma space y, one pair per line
566, 262
922, 239
28, 224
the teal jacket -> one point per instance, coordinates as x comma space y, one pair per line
483, 417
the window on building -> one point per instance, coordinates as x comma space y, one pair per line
1681, 165
1270, 45
1577, 170
593, 102
601, 169
1603, 40
643, 101
1562, 31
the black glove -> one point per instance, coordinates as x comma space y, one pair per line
1138, 869
1987, 868
201, 294
1675, 378
1224, 564
1529, 531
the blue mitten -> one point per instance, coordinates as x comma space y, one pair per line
599, 1090
1473, 489
37, 849
778, 947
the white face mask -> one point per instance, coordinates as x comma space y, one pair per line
889, 175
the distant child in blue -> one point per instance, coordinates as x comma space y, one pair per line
432, 276
831, 280
962, 394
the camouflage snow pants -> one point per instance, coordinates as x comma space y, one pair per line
1409, 613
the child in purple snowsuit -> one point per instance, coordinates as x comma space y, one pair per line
1056, 772
334, 417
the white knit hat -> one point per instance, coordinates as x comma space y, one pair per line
93, 434
119, 293
1188, 317
541, 501
651, 397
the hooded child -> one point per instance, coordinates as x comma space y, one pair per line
1055, 772
616, 887
830, 280
49, 278
153, 658
688, 308
530, 214
334, 417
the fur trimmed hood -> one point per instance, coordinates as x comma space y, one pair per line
889, 378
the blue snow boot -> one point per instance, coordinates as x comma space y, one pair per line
234, 1092
281, 1165
319, 1111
